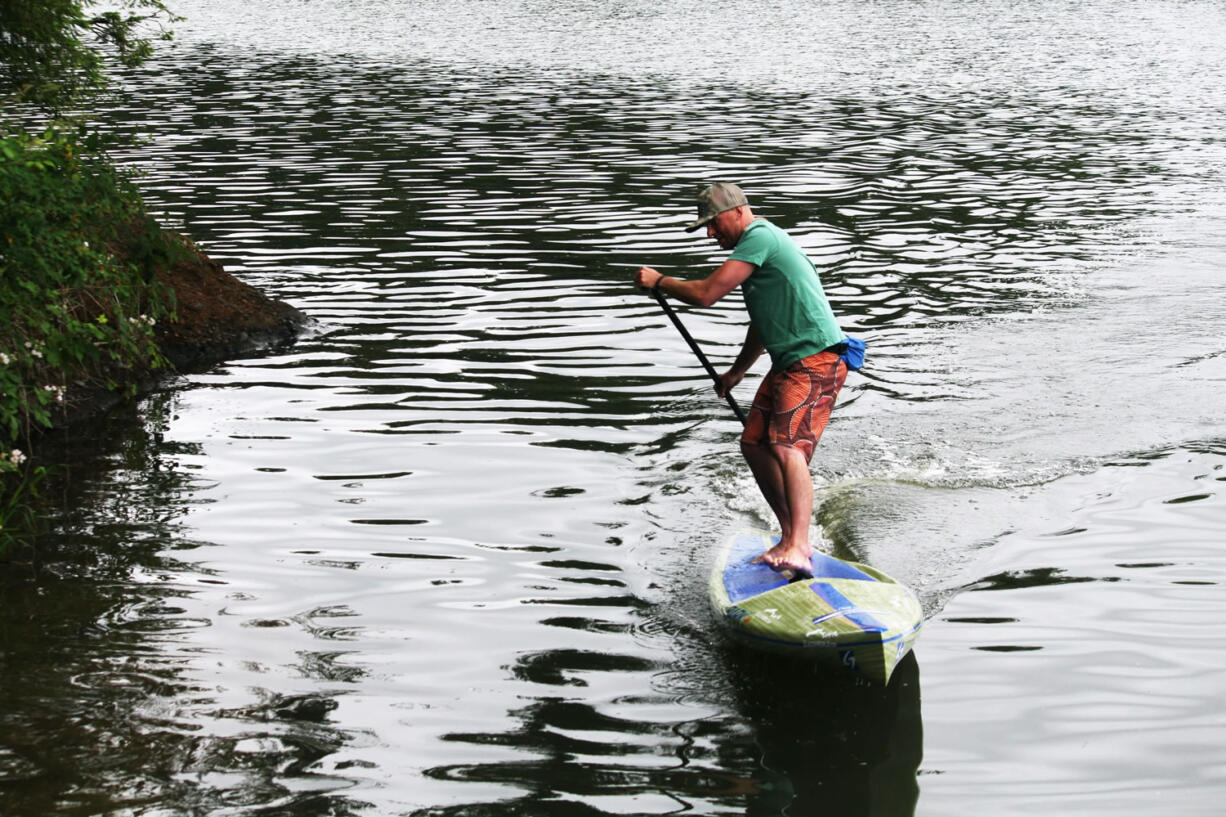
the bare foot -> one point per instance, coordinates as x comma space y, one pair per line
788, 557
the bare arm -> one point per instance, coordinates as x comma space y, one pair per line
751, 350
701, 292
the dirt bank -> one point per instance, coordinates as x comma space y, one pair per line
218, 317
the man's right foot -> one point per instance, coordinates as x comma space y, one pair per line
797, 558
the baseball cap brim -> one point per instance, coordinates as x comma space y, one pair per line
709, 217
717, 198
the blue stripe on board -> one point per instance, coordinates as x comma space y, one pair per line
829, 594
744, 580
828, 567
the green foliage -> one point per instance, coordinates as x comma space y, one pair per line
53, 53
79, 297
17, 516
74, 307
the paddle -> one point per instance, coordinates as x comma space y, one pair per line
672, 316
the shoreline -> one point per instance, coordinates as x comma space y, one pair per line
218, 317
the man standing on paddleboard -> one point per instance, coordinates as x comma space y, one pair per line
790, 318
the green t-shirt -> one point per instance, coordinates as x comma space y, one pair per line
784, 295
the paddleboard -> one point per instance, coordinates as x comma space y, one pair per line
848, 613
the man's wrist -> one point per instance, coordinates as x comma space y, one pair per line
659, 281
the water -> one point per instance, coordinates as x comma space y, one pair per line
447, 554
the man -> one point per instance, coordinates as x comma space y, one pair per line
791, 319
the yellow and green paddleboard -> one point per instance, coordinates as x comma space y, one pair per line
847, 613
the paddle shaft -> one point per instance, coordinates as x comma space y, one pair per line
672, 316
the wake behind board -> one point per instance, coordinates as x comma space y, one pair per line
847, 613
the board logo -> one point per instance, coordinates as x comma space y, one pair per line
737, 614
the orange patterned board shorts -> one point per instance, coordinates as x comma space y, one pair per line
792, 407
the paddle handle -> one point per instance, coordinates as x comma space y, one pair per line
706, 364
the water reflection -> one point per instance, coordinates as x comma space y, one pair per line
801, 742
830, 743
103, 696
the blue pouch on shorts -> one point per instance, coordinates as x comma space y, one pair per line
853, 353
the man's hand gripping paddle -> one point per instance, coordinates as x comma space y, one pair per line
672, 316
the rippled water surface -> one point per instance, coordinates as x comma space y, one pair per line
447, 553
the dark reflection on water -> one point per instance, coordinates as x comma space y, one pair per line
1036, 577
565, 667
838, 744
101, 700
802, 742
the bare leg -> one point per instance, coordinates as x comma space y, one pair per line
766, 471
783, 476
793, 550
782, 471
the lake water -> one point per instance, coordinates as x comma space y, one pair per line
447, 554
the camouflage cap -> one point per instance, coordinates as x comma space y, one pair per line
715, 199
